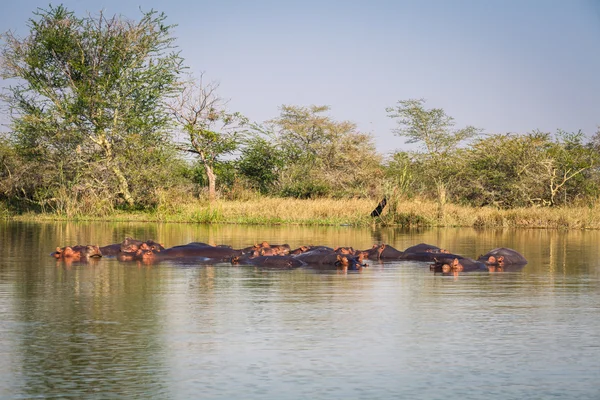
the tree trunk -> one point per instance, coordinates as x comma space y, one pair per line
110, 163
212, 180
123, 185
441, 198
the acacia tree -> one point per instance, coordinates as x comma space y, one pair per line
210, 131
89, 92
568, 160
324, 156
434, 131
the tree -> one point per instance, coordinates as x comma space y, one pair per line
89, 94
260, 162
568, 160
324, 156
211, 132
434, 131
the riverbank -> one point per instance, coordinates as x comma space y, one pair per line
356, 212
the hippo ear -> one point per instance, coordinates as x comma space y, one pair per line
501, 258
59, 250
68, 251
455, 262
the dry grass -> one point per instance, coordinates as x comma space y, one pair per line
271, 211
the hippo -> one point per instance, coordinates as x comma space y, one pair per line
382, 252
451, 263
77, 253
502, 256
346, 251
188, 252
428, 256
269, 262
111, 250
300, 250
268, 249
425, 248
130, 245
331, 258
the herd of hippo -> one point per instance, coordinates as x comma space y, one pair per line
271, 256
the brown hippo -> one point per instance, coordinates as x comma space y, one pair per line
130, 245
268, 249
374, 253
300, 250
428, 256
188, 252
425, 248
111, 250
382, 252
269, 262
450, 263
502, 257
330, 257
77, 253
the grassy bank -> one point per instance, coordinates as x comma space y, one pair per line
356, 212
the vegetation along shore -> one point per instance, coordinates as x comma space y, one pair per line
106, 124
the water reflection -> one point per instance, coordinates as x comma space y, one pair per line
177, 330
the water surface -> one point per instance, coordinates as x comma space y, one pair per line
108, 329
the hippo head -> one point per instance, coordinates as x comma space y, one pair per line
154, 246
78, 252
130, 245
341, 261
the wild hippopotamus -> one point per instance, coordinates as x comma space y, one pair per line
425, 248
269, 262
130, 245
264, 248
324, 257
77, 253
382, 252
428, 256
450, 263
188, 252
502, 256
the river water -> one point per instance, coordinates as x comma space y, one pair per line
108, 329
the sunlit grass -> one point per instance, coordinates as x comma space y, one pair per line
273, 211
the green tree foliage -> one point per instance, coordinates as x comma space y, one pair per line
210, 131
503, 170
509, 170
87, 101
323, 156
433, 130
260, 163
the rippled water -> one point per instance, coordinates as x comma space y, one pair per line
177, 331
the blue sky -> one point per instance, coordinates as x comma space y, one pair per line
500, 65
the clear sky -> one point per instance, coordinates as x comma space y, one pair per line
500, 65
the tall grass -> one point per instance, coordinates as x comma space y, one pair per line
400, 212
